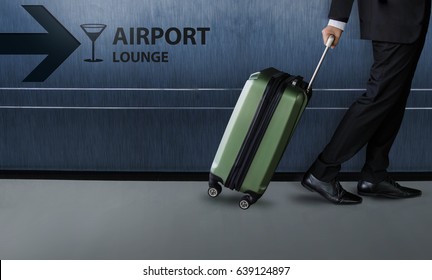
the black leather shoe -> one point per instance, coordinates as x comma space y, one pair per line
332, 191
387, 188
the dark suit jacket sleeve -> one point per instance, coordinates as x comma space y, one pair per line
340, 10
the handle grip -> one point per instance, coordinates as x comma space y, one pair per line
330, 41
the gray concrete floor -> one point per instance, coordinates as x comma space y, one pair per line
49, 219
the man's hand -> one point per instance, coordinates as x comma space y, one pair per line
331, 30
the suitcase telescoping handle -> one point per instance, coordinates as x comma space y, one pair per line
329, 43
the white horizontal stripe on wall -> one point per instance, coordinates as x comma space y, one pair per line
172, 89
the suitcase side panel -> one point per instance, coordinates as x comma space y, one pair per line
239, 123
276, 138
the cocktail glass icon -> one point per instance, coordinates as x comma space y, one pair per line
93, 31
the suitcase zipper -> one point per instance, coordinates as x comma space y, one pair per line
262, 118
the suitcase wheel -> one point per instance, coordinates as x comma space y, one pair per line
246, 202
214, 191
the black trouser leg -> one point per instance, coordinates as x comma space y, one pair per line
381, 109
378, 147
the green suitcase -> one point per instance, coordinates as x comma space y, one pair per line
261, 125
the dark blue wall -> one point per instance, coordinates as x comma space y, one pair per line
110, 116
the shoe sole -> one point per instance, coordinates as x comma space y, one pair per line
386, 195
